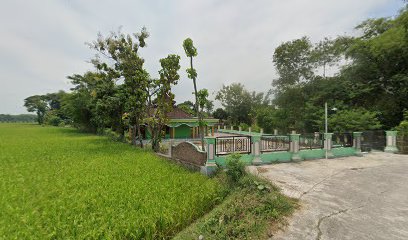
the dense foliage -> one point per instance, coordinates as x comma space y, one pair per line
56, 183
235, 168
119, 95
364, 80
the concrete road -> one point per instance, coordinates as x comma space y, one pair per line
345, 198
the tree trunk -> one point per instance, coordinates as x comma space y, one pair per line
134, 134
197, 108
139, 133
155, 138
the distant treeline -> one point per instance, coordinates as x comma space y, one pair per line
18, 118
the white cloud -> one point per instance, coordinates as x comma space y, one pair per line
43, 42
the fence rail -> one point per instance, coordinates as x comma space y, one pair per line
402, 144
274, 143
232, 144
373, 140
311, 141
342, 140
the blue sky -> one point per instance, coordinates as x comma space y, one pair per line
42, 42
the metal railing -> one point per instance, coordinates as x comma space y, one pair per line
311, 141
232, 144
373, 140
272, 143
342, 140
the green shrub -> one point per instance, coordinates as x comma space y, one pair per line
248, 212
235, 167
51, 118
244, 126
402, 128
255, 128
164, 148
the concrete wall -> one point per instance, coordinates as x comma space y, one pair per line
188, 153
284, 156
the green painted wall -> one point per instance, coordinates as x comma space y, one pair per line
276, 157
343, 151
271, 157
221, 160
148, 134
312, 154
183, 131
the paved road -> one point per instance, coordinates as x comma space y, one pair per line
345, 198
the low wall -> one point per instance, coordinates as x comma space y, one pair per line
402, 144
188, 153
284, 156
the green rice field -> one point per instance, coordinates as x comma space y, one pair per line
57, 183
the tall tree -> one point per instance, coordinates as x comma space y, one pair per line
236, 101
122, 51
293, 62
220, 114
163, 103
188, 107
80, 105
204, 103
325, 54
191, 52
37, 104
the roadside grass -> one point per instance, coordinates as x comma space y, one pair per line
56, 183
254, 209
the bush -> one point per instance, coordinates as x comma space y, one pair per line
255, 128
51, 118
244, 126
235, 167
354, 120
402, 128
164, 148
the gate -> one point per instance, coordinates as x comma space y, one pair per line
373, 140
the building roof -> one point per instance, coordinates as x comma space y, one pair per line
179, 117
178, 113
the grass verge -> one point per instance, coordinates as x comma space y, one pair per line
252, 210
